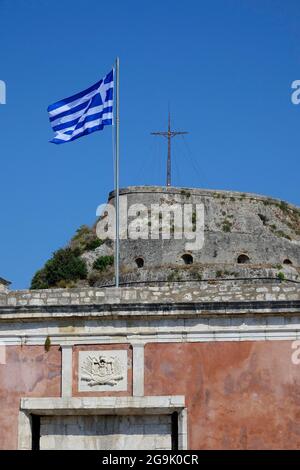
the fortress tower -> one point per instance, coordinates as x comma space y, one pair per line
246, 236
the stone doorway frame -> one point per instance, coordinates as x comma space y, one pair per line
146, 405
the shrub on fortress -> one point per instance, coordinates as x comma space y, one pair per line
64, 267
85, 240
103, 262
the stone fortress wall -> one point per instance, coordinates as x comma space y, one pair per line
246, 236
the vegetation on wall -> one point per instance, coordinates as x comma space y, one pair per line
66, 267
85, 239
61, 270
47, 344
226, 225
102, 270
101, 263
174, 276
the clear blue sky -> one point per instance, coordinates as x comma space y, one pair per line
225, 66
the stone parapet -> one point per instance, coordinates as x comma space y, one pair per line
213, 291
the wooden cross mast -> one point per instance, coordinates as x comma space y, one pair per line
169, 134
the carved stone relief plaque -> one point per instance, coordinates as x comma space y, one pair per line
104, 371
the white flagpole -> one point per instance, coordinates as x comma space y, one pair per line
117, 136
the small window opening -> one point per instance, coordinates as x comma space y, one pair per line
139, 262
187, 258
287, 261
243, 259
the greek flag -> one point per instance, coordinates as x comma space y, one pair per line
83, 113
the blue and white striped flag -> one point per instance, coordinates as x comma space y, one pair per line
83, 113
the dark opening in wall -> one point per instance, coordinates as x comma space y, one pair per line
287, 261
174, 425
187, 258
139, 262
35, 427
243, 259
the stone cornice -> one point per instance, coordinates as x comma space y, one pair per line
148, 310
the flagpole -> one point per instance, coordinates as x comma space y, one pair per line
117, 137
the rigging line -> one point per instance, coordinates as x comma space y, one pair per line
200, 173
158, 170
189, 154
175, 160
141, 165
148, 163
161, 166
156, 162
